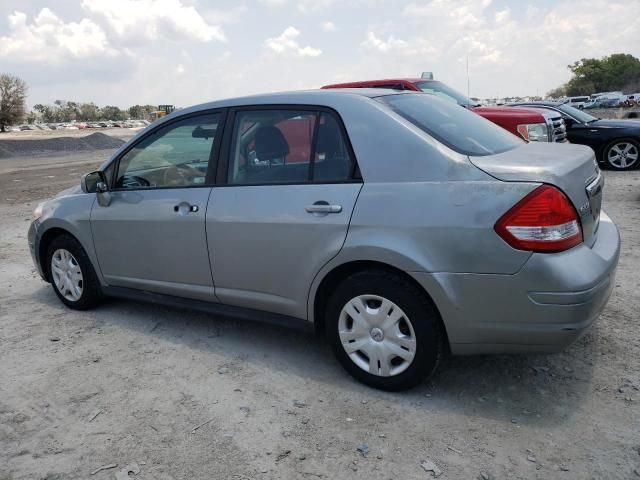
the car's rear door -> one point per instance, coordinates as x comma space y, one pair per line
281, 208
151, 236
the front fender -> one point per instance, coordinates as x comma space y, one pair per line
71, 214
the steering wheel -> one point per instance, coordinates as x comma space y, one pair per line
182, 174
133, 181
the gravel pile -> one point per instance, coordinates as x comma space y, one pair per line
28, 147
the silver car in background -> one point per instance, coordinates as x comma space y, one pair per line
400, 225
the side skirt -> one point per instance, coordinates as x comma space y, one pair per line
239, 313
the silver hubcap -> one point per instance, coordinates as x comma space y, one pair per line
67, 275
377, 335
623, 155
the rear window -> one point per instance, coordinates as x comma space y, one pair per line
458, 128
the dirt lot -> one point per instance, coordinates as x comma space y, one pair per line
184, 395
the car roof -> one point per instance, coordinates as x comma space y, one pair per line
541, 104
317, 97
379, 81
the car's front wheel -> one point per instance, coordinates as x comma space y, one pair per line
622, 154
72, 275
384, 330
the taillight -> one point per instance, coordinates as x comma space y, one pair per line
543, 221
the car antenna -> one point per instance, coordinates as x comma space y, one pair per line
468, 89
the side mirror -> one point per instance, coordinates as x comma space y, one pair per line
94, 182
569, 122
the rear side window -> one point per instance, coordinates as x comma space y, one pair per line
287, 146
458, 128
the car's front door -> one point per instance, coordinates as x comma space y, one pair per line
289, 188
151, 235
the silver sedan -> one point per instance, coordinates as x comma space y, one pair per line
399, 225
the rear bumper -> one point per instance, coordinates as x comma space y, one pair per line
544, 307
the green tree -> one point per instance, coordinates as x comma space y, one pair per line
13, 93
561, 91
112, 113
135, 111
140, 112
620, 71
89, 112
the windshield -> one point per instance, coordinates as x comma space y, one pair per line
442, 90
576, 113
458, 128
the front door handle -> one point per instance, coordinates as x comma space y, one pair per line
323, 207
184, 208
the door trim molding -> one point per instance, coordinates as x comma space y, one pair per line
239, 313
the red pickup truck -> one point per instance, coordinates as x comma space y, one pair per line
536, 125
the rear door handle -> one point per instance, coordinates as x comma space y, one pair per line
185, 207
323, 207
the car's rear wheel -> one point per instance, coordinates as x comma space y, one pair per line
622, 154
384, 330
71, 273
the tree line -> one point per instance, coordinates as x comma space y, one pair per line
617, 72
13, 95
67, 111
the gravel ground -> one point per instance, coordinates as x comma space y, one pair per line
41, 146
183, 395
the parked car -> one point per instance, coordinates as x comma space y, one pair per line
399, 224
633, 99
616, 142
606, 101
577, 102
533, 125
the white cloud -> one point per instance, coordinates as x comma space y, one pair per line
502, 16
153, 19
133, 51
225, 16
303, 6
328, 26
391, 43
416, 46
286, 43
273, 3
455, 13
48, 39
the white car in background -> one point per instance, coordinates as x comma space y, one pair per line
577, 102
634, 98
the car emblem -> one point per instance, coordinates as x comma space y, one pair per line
585, 209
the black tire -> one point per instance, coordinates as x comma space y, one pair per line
91, 293
607, 149
424, 318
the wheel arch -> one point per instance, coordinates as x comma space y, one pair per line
43, 245
339, 272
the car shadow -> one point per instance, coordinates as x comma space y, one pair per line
507, 388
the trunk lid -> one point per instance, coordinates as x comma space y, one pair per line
571, 168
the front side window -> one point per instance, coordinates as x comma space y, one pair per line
287, 146
458, 128
174, 156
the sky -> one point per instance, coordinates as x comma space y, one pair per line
183, 52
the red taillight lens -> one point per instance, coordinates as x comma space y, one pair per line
543, 221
